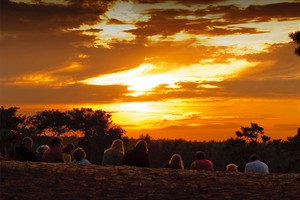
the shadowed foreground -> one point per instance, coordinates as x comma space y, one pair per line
68, 181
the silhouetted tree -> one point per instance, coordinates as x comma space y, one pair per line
252, 133
9, 118
146, 137
50, 122
293, 147
296, 38
265, 138
92, 123
11, 126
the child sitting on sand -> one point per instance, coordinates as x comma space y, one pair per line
231, 168
175, 162
79, 157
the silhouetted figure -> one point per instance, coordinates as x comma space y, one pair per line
79, 156
40, 151
231, 168
114, 155
67, 150
54, 153
201, 163
23, 152
175, 162
138, 156
256, 166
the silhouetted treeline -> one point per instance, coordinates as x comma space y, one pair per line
99, 131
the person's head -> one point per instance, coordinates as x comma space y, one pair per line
254, 157
176, 161
117, 145
27, 142
200, 155
68, 148
42, 149
142, 145
79, 154
231, 168
56, 142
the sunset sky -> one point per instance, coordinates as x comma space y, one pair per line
197, 70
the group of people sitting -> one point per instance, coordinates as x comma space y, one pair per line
115, 155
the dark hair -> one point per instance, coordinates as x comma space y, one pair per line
55, 141
200, 155
142, 146
68, 148
79, 154
27, 140
254, 157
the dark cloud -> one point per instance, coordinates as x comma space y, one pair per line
70, 94
17, 18
34, 38
230, 15
185, 2
278, 61
259, 13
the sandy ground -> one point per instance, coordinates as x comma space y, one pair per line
41, 181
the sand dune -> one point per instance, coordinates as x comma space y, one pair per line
41, 181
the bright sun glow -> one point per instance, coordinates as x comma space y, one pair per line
147, 76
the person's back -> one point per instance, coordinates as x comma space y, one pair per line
67, 151
54, 153
112, 157
231, 168
201, 163
256, 166
23, 153
80, 157
40, 151
137, 156
175, 162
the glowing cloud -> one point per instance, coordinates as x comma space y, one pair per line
148, 76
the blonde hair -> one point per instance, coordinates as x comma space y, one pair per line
42, 149
231, 168
117, 145
176, 162
142, 145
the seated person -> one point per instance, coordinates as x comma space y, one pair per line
231, 168
79, 156
23, 152
175, 162
114, 155
67, 150
54, 153
201, 163
138, 156
256, 166
40, 151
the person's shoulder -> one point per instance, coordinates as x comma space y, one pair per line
263, 163
85, 162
